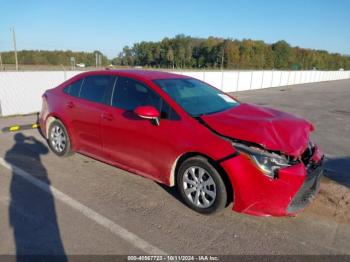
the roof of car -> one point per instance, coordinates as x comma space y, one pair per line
148, 74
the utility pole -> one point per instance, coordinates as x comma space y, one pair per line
223, 56
222, 61
14, 46
72, 63
0, 62
1, 67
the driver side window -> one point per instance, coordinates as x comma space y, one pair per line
129, 94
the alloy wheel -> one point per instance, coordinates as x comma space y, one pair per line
199, 187
58, 139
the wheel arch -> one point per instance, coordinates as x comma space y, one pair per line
50, 119
215, 164
48, 122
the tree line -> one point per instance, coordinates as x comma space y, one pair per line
218, 53
188, 52
43, 57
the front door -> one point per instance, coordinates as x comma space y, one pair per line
136, 143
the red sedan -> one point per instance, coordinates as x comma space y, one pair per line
182, 132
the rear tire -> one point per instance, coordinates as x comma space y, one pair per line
201, 186
58, 139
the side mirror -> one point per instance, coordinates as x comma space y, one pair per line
148, 112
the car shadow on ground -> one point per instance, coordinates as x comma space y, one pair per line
174, 192
32, 212
171, 191
338, 170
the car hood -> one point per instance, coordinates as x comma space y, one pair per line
272, 129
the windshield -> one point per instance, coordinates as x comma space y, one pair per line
196, 97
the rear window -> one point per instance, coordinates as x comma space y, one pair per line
74, 88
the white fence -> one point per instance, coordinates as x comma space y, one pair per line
233, 81
20, 92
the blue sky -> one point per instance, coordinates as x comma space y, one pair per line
108, 25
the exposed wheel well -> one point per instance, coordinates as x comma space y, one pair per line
216, 165
48, 122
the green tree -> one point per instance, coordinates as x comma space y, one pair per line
170, 57
282, 51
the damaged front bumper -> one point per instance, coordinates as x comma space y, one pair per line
308, 190
288, 194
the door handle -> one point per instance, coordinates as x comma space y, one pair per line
70, 104
107, 116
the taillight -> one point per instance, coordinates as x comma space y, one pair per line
44, 103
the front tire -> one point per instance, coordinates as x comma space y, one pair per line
201, 186
58, 139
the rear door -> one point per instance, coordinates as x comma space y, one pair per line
86, 111
137, 143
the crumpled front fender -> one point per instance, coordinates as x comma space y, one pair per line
257, 194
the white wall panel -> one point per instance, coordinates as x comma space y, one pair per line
230, 81
20, 92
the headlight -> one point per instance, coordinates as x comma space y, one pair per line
268, 165
267, 162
